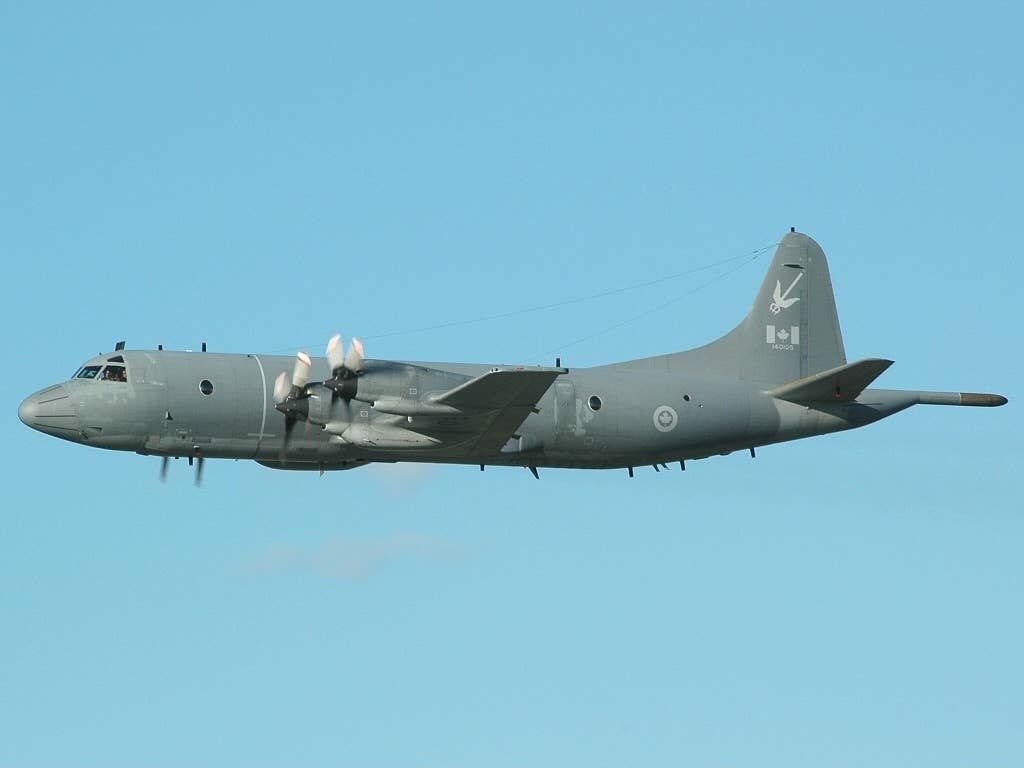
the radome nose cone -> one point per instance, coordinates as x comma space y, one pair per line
51, 411
27, 411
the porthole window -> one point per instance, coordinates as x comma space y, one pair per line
594, 402
206, 387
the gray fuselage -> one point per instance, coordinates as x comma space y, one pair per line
641, 412
781, 374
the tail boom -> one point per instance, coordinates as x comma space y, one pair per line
974, 399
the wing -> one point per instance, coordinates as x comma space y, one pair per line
498, 402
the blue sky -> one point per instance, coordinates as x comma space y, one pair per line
261, 176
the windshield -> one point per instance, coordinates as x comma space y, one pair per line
89, 372
115, 373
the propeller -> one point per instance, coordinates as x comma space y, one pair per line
344, 364
282, 386
300, 374
290, 394
197, 460
336, 355
354, 357
345, 367
286, 439
285, 388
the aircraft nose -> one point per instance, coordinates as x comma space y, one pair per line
27, 411
51, 411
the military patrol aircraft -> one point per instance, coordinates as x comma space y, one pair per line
780, 375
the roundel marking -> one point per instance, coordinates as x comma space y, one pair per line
665, 418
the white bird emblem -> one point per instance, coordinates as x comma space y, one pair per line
780, 300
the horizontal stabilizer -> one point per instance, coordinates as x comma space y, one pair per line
836, 385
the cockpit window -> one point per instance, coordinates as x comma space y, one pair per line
89, 372
114, 373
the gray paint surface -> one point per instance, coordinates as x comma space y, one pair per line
780, 375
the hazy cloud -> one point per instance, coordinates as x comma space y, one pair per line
401, 479
350, 557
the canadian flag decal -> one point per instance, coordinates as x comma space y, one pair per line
783, 335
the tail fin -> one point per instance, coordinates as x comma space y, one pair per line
791, 332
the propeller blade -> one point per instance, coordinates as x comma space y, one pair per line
286, 438
335, 352
199, 471
282, 387
163, 469
300, 376
354, 357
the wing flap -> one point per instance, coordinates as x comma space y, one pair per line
836, 385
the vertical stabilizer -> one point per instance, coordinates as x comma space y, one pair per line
792, 331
